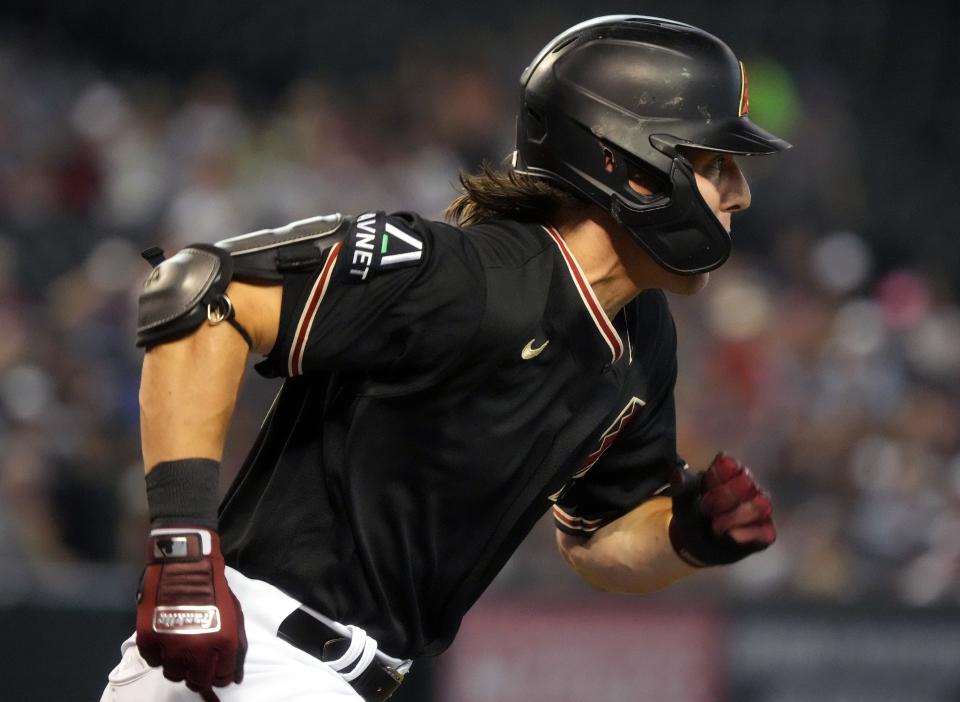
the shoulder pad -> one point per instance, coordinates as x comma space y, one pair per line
265, 255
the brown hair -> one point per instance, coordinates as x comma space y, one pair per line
503, 193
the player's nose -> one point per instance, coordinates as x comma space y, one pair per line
735, 191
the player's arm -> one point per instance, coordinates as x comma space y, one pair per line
198, 328
714, 518
630, 554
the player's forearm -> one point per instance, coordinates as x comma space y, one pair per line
188, 389
632, 554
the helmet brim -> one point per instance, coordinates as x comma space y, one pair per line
739, 136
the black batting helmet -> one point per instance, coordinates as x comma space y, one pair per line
640, 87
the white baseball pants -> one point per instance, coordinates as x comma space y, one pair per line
274, 669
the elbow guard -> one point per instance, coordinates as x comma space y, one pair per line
190, 287
182, 292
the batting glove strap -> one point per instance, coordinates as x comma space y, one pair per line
186, 600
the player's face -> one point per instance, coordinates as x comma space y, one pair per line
721, 183
724, 189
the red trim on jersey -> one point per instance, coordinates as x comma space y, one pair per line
599, 317
610, 435
578, 523
295, 362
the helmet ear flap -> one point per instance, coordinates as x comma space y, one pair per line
679, 231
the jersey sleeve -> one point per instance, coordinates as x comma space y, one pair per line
396, 298
635, 456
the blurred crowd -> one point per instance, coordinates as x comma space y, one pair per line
832, 373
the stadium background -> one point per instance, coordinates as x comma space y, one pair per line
826, 353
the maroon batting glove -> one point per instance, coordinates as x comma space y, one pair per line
188, 620
721, 515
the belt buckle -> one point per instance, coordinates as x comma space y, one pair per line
377, 683
392, 672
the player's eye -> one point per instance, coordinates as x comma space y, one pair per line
713, 169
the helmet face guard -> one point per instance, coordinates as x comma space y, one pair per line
639, 87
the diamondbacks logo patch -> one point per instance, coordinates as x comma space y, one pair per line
606, 441
374, 245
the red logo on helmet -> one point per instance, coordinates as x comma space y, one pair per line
744, 91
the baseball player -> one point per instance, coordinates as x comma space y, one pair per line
445, 385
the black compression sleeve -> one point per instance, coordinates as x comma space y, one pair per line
183, 492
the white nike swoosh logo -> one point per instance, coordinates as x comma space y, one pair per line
530, 352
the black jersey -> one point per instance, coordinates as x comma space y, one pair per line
445, 388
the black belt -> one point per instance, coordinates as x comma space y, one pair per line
312, 636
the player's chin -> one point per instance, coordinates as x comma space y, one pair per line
688, 284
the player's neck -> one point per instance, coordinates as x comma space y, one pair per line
599, 254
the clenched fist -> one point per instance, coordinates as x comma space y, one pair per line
188, 621
721, 515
